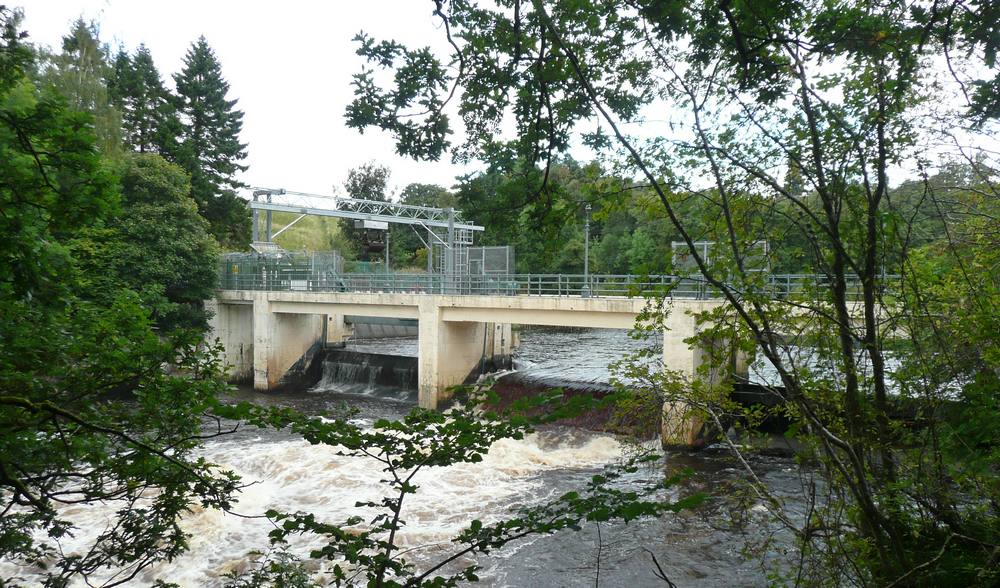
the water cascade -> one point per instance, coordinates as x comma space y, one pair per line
371, 374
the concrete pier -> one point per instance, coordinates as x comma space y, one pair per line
232, 325
683, 425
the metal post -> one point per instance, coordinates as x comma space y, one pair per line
430, 252
269, 220
449, 254
387, 233
256, 221
586, 255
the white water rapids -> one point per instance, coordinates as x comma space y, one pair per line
291, 475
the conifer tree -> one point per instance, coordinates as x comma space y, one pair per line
149, 117
210, 148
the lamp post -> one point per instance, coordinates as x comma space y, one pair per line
586, 255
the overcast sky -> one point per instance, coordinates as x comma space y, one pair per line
288, 63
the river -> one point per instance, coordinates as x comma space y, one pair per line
694, 548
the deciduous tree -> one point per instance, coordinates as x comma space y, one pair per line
158, 245
80, 72
368, 181
843, 94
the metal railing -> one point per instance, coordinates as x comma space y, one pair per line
292, 278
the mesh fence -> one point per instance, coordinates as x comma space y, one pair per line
280, 271
491, 260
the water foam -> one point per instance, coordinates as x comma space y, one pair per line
290, 475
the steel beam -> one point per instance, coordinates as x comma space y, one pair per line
358, 209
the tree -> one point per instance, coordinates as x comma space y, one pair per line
543, 222
42, 208
408, 242
158, 246
66, 437
369, 181
81, 72
210, 149
832, 91
149, 117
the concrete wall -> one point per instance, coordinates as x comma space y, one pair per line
448, 353
682, 426
280, 340
500, 344
232, 325
451, 353
337, 331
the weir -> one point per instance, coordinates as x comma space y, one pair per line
357, 372
456, 334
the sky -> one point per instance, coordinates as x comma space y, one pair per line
289, 64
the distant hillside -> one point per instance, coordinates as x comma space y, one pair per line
313, 233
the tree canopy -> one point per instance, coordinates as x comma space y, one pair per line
778, 123
368, 181
149, 116
158, 245
80, 72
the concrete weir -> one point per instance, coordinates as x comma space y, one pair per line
264, 333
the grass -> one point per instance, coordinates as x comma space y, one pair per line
313, 233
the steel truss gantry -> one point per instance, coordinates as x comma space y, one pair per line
445, 227
279, 199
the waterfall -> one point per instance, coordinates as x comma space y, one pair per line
369, 374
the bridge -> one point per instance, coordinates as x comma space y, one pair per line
276, 309
269, 322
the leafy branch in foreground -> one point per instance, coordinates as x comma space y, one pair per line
791, 124
89, 418
365, 550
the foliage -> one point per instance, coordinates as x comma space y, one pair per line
149, 118
210, 149
313, 233
783, 124
158, 245
275, 568
68, 440
421, 79
369, 181
80, 72
407, 243
68, 436
53, 181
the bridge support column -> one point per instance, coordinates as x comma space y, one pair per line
499, 345
232, 326
337, 331
280, 341
682, 426
449, 352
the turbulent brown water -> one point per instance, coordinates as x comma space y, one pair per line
695, 548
